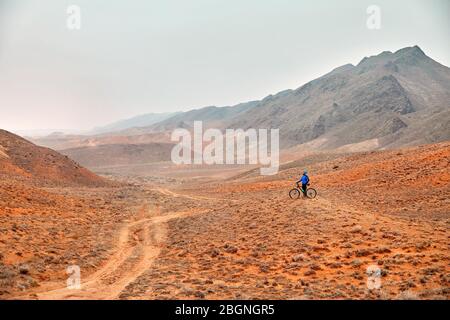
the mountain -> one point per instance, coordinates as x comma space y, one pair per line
400, 98
22, 159
392, 99
130, 133
144, 120
389, 100
120, 154
212, 116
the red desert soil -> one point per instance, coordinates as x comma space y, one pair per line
388, 210
53, 213
21, 158
244, 237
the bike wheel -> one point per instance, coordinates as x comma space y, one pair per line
311, 193
294, 193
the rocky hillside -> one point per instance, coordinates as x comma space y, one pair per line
21, 158
400, 98
212, 116
392, 99
385, 101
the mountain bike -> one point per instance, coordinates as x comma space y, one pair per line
297, 192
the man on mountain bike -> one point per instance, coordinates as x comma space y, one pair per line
305, 181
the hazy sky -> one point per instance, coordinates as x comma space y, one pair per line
141, 56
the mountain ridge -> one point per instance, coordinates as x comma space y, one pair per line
400, 98
403, 85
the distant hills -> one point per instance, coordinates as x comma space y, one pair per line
396, 99
144, 120
400, 98
388, 100
212, 116
120, 154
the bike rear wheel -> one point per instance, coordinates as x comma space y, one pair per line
294, 193
311, 193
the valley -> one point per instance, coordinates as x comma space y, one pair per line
240, 236
116, 205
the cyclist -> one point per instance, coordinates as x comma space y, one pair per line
305, 181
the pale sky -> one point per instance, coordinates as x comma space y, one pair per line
142, 56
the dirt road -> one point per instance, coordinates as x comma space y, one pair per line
139, 243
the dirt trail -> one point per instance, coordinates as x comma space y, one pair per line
139, 243
170, 193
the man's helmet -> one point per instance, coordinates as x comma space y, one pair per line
305, 172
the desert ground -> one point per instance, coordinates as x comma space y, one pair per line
164, 232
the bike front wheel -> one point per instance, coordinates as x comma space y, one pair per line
311, 193
294, 193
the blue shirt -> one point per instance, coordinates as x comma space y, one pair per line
304, 179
